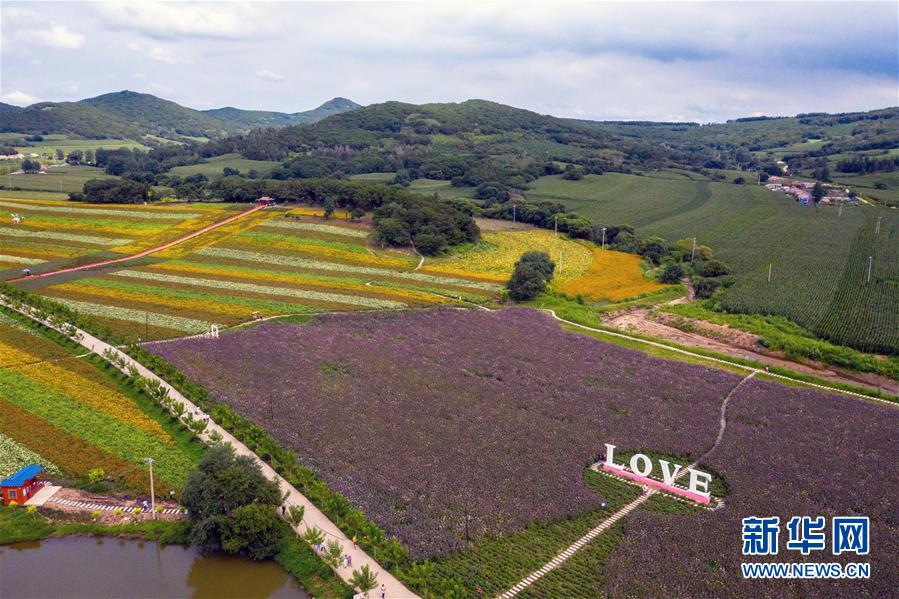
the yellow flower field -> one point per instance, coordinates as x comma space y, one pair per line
164, 301
495, 257
95, 395
612, 275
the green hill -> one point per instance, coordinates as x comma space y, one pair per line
254, 119
132, 115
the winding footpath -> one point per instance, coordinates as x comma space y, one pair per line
313, 517
607, 523
160, 248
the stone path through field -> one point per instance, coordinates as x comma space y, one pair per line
160, 248
563, 556
313, 518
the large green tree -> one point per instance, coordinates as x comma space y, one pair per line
531, 274
232, 506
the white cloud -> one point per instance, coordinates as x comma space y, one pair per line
269, 75
163, 54
56, 36
19, 98
172, 20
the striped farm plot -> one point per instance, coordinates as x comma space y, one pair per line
59, 232
62, 411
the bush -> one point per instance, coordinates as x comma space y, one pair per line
671, 273
711, 268
255, 529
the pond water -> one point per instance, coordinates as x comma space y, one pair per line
102, 568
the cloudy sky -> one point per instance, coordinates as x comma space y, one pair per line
618, 60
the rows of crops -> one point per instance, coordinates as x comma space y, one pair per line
52, 233
64, 412
818, 256
820, 279
271, 263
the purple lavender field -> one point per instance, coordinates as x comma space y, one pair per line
420, 418
786, 452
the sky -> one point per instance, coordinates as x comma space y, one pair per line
703, 62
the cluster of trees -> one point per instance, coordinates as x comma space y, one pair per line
868, 164
30, 165
429, 225
543, 214
112, 191
696, 261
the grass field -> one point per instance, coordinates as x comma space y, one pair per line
47, 147
58, 179
817, 255
213, 166
73, 414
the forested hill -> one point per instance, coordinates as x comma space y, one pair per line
477, 141
131, 115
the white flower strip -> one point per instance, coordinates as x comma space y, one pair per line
339, 267
13, 456
19, 259
178, 323
319, 228
90, 239
152, 215
353, 300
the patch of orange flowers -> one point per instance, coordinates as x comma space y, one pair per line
612, 275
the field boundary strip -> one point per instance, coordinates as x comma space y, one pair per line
314, 517
148, 252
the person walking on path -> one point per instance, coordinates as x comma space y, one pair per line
349, 561
354, 542
383, 591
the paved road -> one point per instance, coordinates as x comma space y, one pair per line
313, 516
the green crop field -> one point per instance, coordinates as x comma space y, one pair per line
442, 188
817, 255
59, 179
213, 167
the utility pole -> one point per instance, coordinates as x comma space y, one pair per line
770, 265
840, 211
513, 212
693, 251
557, 225
152, 490
603, 238
877, 226
870, 263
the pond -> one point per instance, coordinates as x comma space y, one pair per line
101, 568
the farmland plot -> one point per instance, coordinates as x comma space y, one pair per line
266, 264
818, 255
53, 234
62, 411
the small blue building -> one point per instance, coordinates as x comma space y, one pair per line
21, 486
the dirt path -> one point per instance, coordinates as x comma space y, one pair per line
740, 344
160, 248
